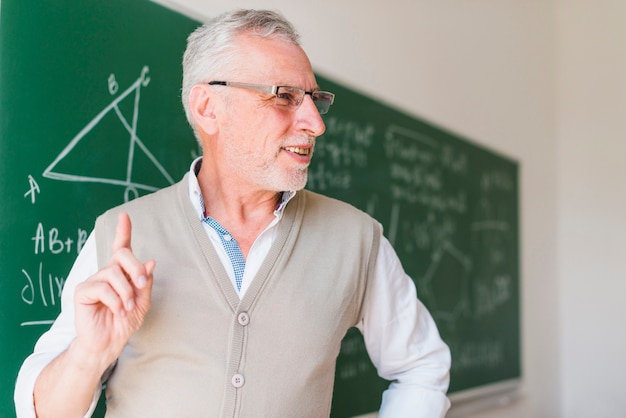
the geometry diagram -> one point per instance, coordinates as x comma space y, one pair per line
445, 285
117, 126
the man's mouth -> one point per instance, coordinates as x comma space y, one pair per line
298, 150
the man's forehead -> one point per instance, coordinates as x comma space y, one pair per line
272, 60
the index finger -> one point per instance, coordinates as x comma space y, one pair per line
122, 232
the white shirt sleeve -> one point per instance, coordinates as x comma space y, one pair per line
58, 338
403, 343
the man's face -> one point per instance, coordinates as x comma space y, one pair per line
266, 147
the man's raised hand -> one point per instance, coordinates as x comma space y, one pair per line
111, 305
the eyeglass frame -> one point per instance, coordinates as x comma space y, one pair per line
274, 91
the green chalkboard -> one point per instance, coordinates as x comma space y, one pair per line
450, 209
90, 116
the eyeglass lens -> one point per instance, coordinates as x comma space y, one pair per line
293, 96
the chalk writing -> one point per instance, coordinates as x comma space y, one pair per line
46, 288
454, 161
496, 180
357, 134
55, 245
446, 284
43, 288
113, 85
320, 178
34, 188
440, 202
478, 355
418, 167
490, 295
345, 143
131, 187
344, 146
409, 145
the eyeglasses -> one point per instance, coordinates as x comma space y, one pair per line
287, 97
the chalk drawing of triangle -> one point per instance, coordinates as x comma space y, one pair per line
112, 125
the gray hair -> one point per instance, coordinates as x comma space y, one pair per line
211, 47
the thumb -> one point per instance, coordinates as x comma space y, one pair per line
122, 232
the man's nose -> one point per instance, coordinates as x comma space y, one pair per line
309, 117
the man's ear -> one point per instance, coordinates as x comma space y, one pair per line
202, 107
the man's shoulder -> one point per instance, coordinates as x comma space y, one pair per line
332, 208
145, 207
164, 194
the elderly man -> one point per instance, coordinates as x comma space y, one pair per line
239, 285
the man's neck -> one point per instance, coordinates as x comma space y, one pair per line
242, 212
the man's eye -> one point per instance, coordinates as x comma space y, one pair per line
285, 99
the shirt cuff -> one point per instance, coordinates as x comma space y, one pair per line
25, 386
411, 402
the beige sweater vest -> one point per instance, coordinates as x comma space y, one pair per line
204, 352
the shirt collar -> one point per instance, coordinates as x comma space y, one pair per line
195, 195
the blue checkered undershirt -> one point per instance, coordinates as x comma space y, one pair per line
230, 243
231, 247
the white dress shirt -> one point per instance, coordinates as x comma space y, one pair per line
400, 335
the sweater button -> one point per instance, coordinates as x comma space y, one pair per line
243, 318
238, 380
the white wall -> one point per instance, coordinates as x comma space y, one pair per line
527, 79
592, 205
